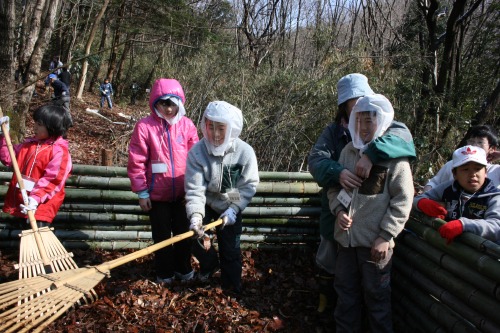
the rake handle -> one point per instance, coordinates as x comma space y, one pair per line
31, 215
107, 266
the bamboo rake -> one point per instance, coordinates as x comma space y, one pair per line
50, 295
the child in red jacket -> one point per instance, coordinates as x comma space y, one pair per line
45, 164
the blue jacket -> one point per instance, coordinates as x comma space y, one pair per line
480, 214
106, 89
60, 89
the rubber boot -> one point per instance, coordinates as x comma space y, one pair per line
327, 295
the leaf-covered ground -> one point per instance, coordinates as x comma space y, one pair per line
280, 295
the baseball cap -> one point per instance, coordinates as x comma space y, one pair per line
468, 154
52, 76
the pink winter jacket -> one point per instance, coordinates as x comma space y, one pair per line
155, 140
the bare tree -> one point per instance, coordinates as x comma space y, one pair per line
95, 26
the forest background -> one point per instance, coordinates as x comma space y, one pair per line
277, 60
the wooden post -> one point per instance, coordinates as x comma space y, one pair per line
106, 157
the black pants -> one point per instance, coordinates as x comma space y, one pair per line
167, 219
229, 258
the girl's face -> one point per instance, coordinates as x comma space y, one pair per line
216, 132
366, 125
167, 108
470, 176
40, 130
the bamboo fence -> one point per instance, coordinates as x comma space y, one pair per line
436, 287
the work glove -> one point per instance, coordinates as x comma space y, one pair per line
4, 120
196, 224
228, 217
32, 205
431, 208
451, 229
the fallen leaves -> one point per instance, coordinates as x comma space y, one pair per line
280, 295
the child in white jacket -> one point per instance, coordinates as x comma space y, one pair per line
221, 179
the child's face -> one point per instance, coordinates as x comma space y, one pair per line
216, 132
167, 108
40, 130
470, 176
366, 125
481, 142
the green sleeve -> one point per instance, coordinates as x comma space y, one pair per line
397, 142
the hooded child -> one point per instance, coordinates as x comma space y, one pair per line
156, 167
221, 179
368, 219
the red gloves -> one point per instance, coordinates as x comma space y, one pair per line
431, 208
451, 229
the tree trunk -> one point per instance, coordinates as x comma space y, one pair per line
83, 76
38, 39
7, 57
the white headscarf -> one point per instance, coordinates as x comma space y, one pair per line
383, 114
222, 112
182, 111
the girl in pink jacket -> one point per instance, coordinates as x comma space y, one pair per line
156, 166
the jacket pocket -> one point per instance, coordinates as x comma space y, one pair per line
375, 183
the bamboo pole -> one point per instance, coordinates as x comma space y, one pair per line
471, 295
443, 315
418, 280
474, 241
451, 264
482, 262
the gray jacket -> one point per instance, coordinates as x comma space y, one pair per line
381, 206
209, 178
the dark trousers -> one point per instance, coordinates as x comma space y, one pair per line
358, 278
229, 258
106, 98
167, 219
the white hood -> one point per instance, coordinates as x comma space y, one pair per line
180, 113
383, 114
222, 112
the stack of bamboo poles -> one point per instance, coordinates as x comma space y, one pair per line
101, 211
443, 287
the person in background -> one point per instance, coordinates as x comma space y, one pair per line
65, 77
54, 68
156, 167
368, 219
134, 90
45, 164
221, 179
328, 172
106, 90
482, 136
61, 94
470, 202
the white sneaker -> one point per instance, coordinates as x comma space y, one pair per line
165, 281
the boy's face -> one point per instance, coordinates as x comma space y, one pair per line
481, 142
167, 108
216, 132
366, 125
470, 176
